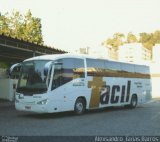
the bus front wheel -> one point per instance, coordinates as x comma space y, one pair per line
80, 106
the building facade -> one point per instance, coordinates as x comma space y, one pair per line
156, 53
134, 53
112, 53
100, 52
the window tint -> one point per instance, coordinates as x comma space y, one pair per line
32, 78
112, 69
107, 68
78, 68
142, 69
95, 67
114, 66
66, 70
103, 68
127, 68
16, 72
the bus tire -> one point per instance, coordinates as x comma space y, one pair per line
134, 101
80, 106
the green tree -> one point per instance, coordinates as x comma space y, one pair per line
131, 38
25, 27
32, 27
156, 37
115, 41
4, 24
147, 40
15, 25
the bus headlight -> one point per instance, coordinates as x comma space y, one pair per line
43, 102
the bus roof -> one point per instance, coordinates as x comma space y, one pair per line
69, 55
57, 56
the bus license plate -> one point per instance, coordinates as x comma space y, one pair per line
28, 107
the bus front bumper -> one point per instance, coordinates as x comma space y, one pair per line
31, 107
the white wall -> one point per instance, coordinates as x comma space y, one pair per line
156, 53
155, 73
134, 52
2, 73
6, 89
155, 87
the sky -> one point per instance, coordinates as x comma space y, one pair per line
72, 24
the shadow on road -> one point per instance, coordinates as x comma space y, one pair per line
72, 114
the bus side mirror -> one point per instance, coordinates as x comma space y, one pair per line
13, 67
47, 67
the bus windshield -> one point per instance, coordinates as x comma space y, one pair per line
32, 79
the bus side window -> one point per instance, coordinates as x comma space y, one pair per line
16, 72
72, 68
78, 69
68, 70
95, 67
57, 77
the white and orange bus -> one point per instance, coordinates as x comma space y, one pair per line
65, 82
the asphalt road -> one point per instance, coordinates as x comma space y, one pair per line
144, 120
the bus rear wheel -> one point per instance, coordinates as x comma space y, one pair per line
80, 106
134, 100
